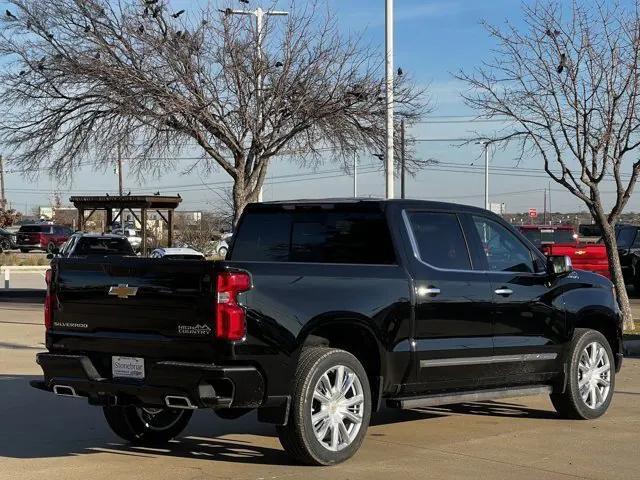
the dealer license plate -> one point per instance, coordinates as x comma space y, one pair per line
127, 367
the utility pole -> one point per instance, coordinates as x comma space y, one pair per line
3, 198
544, 217
120, 189
259, 13
550, 211
355, 174
389, 84
402, 159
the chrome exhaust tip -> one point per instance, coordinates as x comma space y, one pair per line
65, 391
177, 401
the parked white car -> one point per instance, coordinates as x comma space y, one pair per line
177, 254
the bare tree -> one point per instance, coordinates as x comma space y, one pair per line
85, 75
568, 85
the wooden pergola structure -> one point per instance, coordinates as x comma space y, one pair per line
142, 203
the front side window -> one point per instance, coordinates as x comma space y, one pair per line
503, 250
440, 240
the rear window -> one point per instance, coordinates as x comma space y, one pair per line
36, 229
103, 246
586, 230
548, 235
184, 257
314, 236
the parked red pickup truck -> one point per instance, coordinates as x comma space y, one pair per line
563, 240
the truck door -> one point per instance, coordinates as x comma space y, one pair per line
453, 332
528, 317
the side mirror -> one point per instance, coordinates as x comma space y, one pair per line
559, 265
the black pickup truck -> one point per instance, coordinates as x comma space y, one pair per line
322, 312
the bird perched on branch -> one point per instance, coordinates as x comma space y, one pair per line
400, 72
246, 2
151, 2
178, 13
562, 64
141, 29
9, 14
157, 193
87, 29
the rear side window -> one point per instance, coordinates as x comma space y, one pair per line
36, 229
103, 246
314, 236
439, 239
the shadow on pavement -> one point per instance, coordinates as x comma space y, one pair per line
36, 424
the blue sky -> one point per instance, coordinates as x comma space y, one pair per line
433, 40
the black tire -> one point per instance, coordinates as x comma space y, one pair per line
298, 437
128, 422
571, 403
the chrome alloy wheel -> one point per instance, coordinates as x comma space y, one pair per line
337, 408
158, 419
594, 375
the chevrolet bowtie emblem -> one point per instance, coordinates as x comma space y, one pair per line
123, 291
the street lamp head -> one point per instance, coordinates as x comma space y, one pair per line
279, 64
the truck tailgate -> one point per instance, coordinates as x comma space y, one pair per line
591, 257
138, 300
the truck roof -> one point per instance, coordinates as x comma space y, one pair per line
368, 200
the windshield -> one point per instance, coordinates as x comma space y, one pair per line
103, 246
549, 235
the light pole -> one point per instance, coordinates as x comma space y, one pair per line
355, 174
486, 144
259, 13
389, 96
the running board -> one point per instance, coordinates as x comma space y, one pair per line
467, 396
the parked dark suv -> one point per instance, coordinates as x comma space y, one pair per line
42, 236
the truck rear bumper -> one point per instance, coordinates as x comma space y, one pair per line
166, 383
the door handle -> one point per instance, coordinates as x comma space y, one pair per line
427, 291
505, 292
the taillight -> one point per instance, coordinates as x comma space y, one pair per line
48, 302
230, 317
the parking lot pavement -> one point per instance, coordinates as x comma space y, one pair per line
55, 438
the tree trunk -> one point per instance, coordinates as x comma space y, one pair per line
609, 239
243, 195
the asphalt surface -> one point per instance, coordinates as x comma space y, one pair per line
43, 436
